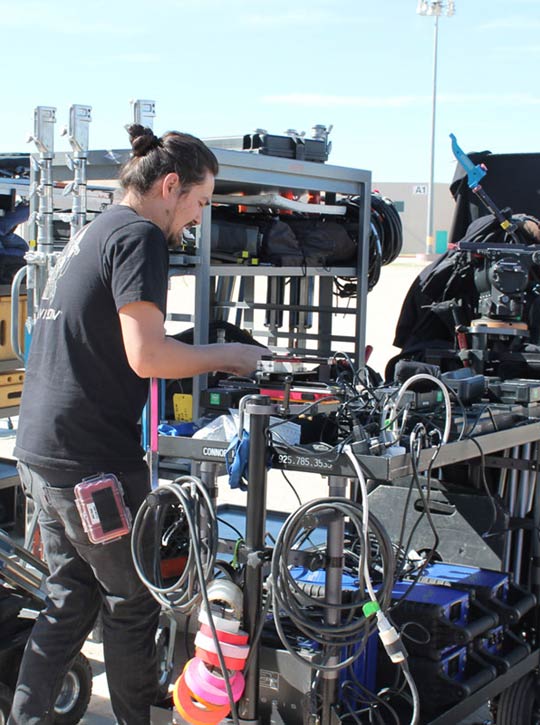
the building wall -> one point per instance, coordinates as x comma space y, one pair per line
411, 200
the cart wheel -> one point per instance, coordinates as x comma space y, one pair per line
520, 703
72, 701
165, 669
6, 699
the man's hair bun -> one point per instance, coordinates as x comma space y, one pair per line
142, 139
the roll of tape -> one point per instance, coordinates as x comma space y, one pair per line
227, 592
225, 625
215, 677
208, 705
239, 637
238, 651
212, 689
191, 711
211, 658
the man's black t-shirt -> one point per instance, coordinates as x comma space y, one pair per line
81, 401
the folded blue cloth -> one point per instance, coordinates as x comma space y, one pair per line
177, 429
236, 461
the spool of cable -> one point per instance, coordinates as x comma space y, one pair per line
209, 687
192, 711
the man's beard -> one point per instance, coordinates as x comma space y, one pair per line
174, 241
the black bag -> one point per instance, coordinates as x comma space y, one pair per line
280, 245
307, 242
324, 243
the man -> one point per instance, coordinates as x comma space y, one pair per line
98, 337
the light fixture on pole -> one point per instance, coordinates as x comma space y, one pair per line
435, 8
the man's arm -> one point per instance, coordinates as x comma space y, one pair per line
151, 353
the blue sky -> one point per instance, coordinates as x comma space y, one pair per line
227, 67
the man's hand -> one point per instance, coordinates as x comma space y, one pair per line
151, 354
239, 359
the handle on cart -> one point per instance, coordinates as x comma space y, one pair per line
15, 309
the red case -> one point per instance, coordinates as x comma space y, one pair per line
84, 500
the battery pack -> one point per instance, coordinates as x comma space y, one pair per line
502, 648
448, 617
495, 589
454, 676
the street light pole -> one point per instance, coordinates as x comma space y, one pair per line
435, 8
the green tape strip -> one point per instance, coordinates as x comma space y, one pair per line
370, 608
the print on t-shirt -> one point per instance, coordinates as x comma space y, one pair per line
72, 249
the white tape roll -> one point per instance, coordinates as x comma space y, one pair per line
225, 625
227, 592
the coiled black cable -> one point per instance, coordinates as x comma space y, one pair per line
385, 238
190, 503
307, 612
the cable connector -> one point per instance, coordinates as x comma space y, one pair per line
390, 638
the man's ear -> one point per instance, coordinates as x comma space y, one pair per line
170, 185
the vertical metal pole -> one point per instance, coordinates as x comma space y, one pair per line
208, 476
325, 343
79, 121
362, 265
202, 301
258, 407
224, 294
522, 502
44, 120
510, 506
275, 293
246, 295
430, 240
143, 113
334, 575
534, 577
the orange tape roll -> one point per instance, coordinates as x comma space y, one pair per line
192, 711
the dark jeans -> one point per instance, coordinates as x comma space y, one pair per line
85, 579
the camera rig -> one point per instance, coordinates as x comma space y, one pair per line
495, 323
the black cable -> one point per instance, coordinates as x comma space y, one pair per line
307, 613
425, 512
292, 487
425, 500
486, 486
190, 493
191, 499
227, 523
